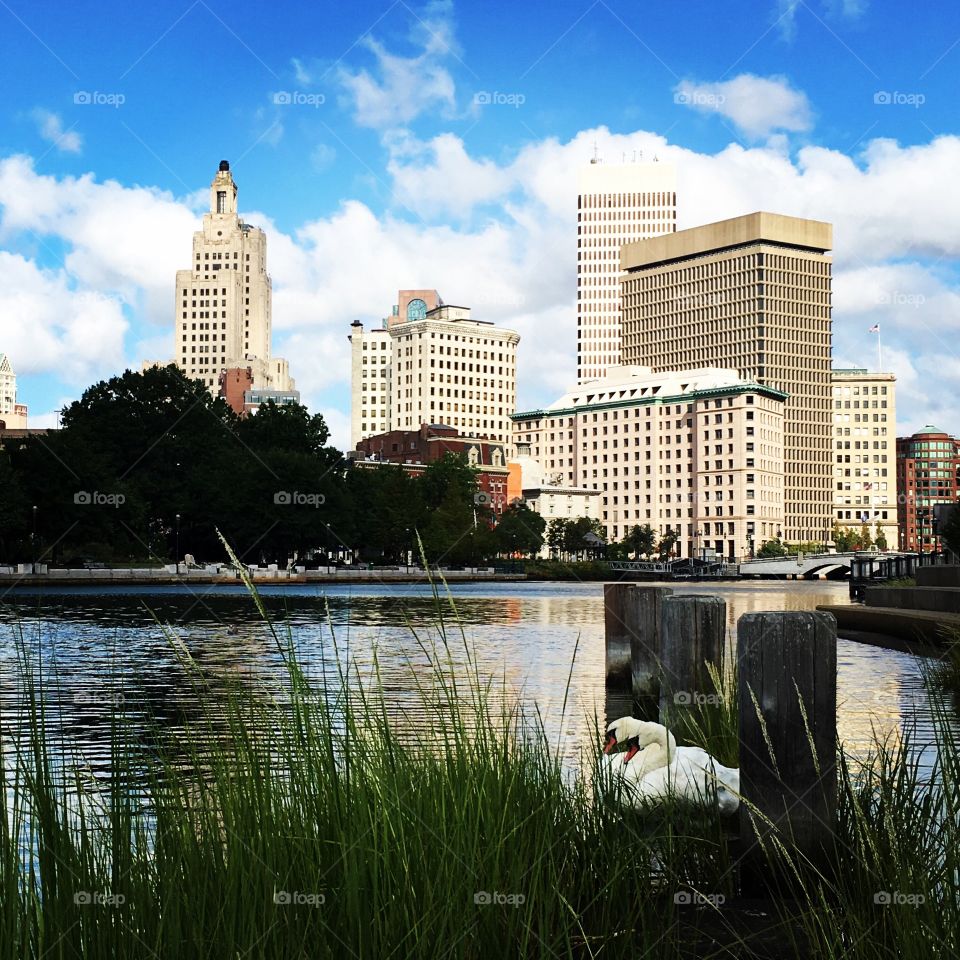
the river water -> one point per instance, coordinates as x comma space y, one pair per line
95, 648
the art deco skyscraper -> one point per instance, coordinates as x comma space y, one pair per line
616, 204
223, 303
754, 294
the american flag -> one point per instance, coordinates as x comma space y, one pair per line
875, 328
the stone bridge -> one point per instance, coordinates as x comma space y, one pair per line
832, 566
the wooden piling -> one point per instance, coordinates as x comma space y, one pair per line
617, 634
642, 609
788, 728
693, 631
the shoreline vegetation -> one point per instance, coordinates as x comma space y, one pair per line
317, 822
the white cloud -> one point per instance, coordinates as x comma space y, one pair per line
785, 13
399, 89
509, 252
50, 128
755, 105
50, 327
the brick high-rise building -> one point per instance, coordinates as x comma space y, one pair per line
753, 294
927, 467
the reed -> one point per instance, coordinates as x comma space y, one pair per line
317, 822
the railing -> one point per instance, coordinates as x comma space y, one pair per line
867, 569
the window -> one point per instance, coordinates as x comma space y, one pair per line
221, 201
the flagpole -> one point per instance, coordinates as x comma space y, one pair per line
879, 352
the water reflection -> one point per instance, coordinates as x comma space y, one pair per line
110, 648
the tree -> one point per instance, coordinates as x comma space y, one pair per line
640, 540
880, 538
520, 530
556, 536
772, 548
667, 542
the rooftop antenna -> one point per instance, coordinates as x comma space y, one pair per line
634, 156
594, 159
656, 159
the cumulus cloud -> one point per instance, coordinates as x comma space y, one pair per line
756, 106
509, 253
49, 326
398, 89
50, 127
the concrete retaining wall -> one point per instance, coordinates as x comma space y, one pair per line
935, 599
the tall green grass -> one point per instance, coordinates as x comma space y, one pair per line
318, 823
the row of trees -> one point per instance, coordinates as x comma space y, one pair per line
149, 466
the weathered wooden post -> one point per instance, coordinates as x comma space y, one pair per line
642, 609
693, 631
616, 634
788, 731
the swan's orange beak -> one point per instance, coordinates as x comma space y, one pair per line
632, 751
611, 742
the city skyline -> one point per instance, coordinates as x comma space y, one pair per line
407, 151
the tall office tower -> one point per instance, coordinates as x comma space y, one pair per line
753, 294
616, 204
223, 302
865, 452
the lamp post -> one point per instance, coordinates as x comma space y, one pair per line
406, 549
328, 541
33, 540
177, 555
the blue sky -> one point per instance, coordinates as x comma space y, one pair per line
385, 169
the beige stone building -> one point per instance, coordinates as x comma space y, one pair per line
433, 364
865, 451
753, 294
699, 452
224, 301
13, 415
616, 204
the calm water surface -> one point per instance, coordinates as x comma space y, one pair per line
97, 647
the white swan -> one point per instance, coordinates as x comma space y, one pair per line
654, 768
